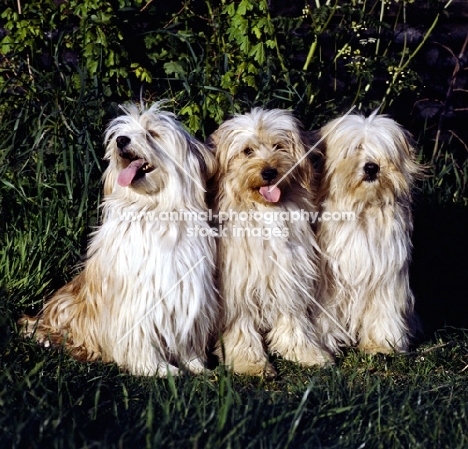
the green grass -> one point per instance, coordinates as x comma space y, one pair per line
415, 400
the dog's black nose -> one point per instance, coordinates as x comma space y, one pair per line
371, 169
122, 142
268, 174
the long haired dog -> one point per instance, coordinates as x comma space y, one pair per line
145, 298
364, 234
266, 262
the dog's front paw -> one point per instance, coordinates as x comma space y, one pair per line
375, 348
195, 366
28, 326
167, 371
251, 367
265, 369
308, 356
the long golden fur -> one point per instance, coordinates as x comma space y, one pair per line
369, 170
267, 263
145, 298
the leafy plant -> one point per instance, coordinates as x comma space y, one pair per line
82, 37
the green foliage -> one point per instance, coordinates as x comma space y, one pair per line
214, 58
215, 65
57, 35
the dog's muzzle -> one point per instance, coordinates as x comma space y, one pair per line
371, 169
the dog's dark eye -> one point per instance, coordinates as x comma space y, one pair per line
248, 151
278, 147
152, 134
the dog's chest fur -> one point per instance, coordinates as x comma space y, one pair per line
280, 268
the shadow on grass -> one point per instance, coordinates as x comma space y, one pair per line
439, 272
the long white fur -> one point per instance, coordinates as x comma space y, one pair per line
364, 265
145, 299
267, 286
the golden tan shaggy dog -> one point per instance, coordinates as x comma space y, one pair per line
267, 261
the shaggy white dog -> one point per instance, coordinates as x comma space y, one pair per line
145, 298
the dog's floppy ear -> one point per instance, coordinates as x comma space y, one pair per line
305, 174
213, 142
205, 157
109, 180
220, 142
315, 149
304, 171
109, 177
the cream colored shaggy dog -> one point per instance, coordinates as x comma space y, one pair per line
369, 171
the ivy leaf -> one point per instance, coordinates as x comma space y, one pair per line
257, 32
244, 6
141, 73
174, 67
258, 53
231, 9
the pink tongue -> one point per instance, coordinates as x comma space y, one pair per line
270, 193
127, 174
